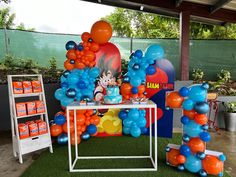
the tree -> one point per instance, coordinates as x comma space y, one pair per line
21, 26
5, 1
6, 19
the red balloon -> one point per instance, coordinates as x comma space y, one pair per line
196, 145
172, 157
55, 130
174, 100
212, 165
201, 119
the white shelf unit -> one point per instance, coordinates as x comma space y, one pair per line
32, 143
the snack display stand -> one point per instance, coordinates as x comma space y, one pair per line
31, 143
74, 156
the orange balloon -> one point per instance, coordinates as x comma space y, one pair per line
94, 47
126, 97
174, 100
101, 32
72, 128
141, 89
85, 36
89, 112
71, 54
196, 145
80, 119
83, 128
73, 139
68, 65
212, 165
79, 65
96, 119
90, 56
172, 157
181, 159
190, 114
126, 89
55, 130
201, 119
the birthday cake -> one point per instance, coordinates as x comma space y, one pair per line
112, 95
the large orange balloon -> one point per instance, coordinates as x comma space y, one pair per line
190, 114
174, 100
172, 157
212, 165
55, 130
101, 32
196, 145
126, 89
201, 119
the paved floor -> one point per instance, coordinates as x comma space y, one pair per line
9, 166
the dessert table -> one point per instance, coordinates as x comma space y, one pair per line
74, 156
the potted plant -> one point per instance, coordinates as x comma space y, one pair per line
230, 116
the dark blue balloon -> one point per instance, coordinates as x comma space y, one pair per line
205, 86
222, 157
132, 54
70, 45
60, 119
144, 130
91, 129
85, 136
184, 120
72, 61
62, 139
145, 93
202, 173
123, 115
181, 167
150, 70
185, 150
184, 91
205, 136
138, 53
51, 122
167, 149
205, 127
90, 40
186, 138
126, 79
134, 90
64, 85
80, 47
201, 155
81, 84
201, 107
71, 93
136, 66
66, 73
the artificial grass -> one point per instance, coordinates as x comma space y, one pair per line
56, 164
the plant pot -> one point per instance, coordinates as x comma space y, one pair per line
230, 121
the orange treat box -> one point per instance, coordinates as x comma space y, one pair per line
27, 86
42, 127
23, 131
31, 108
29, 122
20, 109
17, 87
40, 106
36, 86
33, 129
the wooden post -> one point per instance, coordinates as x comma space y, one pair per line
184, 44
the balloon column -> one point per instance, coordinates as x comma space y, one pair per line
78, 84
192, 154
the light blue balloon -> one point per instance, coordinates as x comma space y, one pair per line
59, 94
66, 101
127, 122
135, 131
141, 74
154, 52
141, 122
188, 104
192, 129
193, 164
131, 73
126, 130
94, 72
63, 79
133, 114
197, 93
135, 81
87, 92
72, 79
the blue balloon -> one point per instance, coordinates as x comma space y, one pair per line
81, 84
126, 79
91, 129
85, 136
202, 173
192, 129
154, 52
188, 104
193, 164
184, 91
133, 114
222, 157
184, 120
205, 86
141, 122
181, 167
136, 66
144, 130
186, 138
185, 150
66, 73
201, 107
135, 81
205, 136
127, 122
71, 93
134, 90
64, 85
126, 130
80, 47
60, 119
201, 155
167, 149
94, 72
59, 94
197, 93
138, 54
150, 70
135, 131
72, 61
123, 115
70, 45
205, 127
66, 101
72, 78
62, 139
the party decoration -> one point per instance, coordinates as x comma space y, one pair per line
193, 157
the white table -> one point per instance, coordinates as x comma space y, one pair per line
153, 157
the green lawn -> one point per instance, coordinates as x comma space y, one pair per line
56, 164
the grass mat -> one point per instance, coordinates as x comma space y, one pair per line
56, 164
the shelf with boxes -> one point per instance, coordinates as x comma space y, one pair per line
29, 119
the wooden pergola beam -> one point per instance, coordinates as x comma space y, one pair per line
218, 5
178, 2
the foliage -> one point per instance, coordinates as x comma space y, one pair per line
6, 19
21, 26
224, 75
230, 107
197, 75
129, 23
5, 1
124, 66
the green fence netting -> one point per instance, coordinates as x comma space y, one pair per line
209, 55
